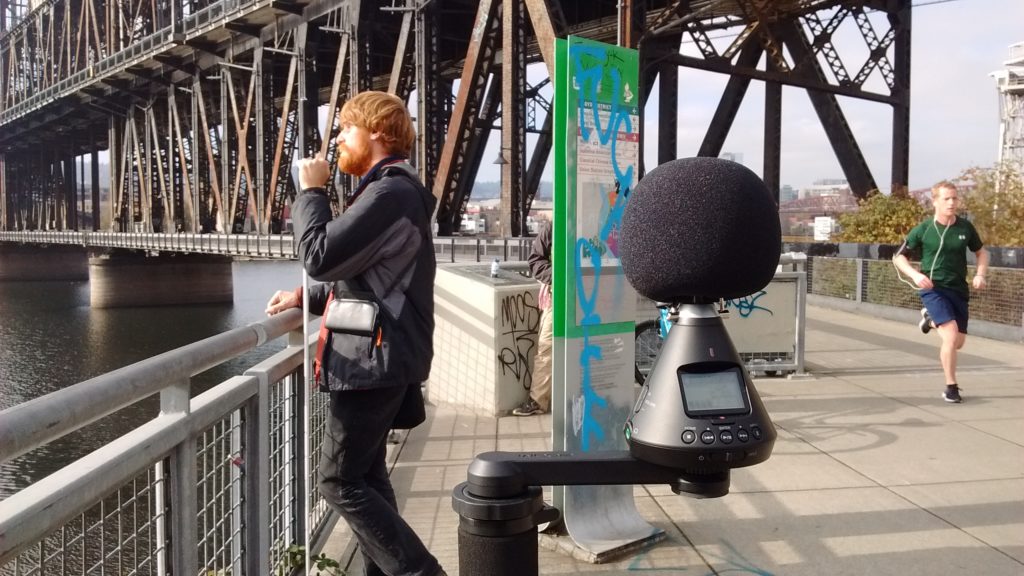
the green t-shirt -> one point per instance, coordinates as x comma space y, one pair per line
947, 268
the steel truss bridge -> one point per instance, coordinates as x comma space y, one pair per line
195, 109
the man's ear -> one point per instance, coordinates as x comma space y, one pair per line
378, 142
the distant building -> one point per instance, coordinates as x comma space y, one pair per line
473, 223
825, 187
736, 157
797, 217
482, 217
787, 193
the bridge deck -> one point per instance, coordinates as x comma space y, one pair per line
872, 474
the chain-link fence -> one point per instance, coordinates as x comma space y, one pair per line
874, 280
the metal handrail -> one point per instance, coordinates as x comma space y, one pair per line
47, 418
166, 450
281, 246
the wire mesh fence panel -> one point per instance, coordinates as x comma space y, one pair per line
882, 285
220, 495
118, 534
319, 411
836, 277
284, 501
1002, 300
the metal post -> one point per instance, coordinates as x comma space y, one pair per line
183, 481
860, 279
259, 188
801, 319
256, 455
498, 537
501, 503
3, 193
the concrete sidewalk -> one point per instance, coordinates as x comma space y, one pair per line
872, 474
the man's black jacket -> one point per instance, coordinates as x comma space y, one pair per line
540, 255
379, 249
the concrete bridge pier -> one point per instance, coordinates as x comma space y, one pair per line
124, 278
43, 262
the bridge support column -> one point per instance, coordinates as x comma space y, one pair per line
47, 262
123, 278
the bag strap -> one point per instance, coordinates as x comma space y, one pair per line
321, 341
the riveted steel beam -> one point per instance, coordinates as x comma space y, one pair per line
730, 102
832, 118
481, 59
214, 161
899, 18
513, 120
772, 164
434, 107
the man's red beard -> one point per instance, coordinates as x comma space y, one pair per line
354, 161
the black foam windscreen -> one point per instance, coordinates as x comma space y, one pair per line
700, 228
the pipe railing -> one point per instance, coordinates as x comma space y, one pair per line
213, 484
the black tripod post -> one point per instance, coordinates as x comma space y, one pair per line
501, 504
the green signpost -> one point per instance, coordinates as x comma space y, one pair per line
597, 136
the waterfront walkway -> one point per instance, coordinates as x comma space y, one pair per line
872, 474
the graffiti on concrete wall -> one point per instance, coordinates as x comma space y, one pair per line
748, 305
517, 336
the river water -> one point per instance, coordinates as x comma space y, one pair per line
50, 339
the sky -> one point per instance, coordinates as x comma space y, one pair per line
954, 111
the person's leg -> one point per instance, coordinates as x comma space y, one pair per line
539, 400
951, 342
946, 310
961, 313
353, 480
540, 390
378, 481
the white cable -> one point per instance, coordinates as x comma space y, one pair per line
935, 259
900, 276
938, 252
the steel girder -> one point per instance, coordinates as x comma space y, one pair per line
899, 19
513, 119
45, 192
203, 125
772, 163
466, 121
804, 30
730, 102
844, 144
435, 104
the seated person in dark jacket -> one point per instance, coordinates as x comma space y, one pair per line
379, 250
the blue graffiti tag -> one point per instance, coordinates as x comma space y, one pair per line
748, 304
587, 79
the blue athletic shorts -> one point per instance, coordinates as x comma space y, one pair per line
944, 305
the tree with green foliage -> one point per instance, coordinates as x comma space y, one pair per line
995, 203
881, 219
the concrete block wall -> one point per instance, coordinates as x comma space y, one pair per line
485, 337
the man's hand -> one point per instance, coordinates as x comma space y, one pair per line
979, 282
313, 172
283, 300
923, 282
